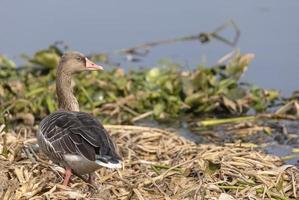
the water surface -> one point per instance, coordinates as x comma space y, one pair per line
269, 29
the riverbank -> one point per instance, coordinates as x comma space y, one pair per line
234, 120
157, 165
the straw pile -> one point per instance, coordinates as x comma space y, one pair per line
157, 165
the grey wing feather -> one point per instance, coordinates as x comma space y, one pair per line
77, 133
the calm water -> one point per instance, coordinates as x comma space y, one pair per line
269, 28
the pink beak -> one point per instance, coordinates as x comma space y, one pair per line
92, 66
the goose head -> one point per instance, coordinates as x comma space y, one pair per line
73, 62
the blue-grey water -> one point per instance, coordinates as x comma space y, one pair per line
269, 29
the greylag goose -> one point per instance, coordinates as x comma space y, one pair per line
74, 139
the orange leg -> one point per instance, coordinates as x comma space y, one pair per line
91, 179
67, 176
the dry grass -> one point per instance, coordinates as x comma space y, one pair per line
157, 165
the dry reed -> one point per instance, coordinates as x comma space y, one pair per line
157, 165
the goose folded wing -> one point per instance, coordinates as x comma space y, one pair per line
73, 144
82, 134
94, 133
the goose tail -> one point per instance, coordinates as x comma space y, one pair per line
109, 162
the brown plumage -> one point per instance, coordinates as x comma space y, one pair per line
71, 138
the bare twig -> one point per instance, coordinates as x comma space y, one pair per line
202, 37
142, 50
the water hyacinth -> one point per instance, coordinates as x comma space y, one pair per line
163, 92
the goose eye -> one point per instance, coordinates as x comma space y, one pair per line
79, 59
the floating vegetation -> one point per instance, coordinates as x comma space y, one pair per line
164, 92
157, 165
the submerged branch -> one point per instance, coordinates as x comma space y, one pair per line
203, 37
